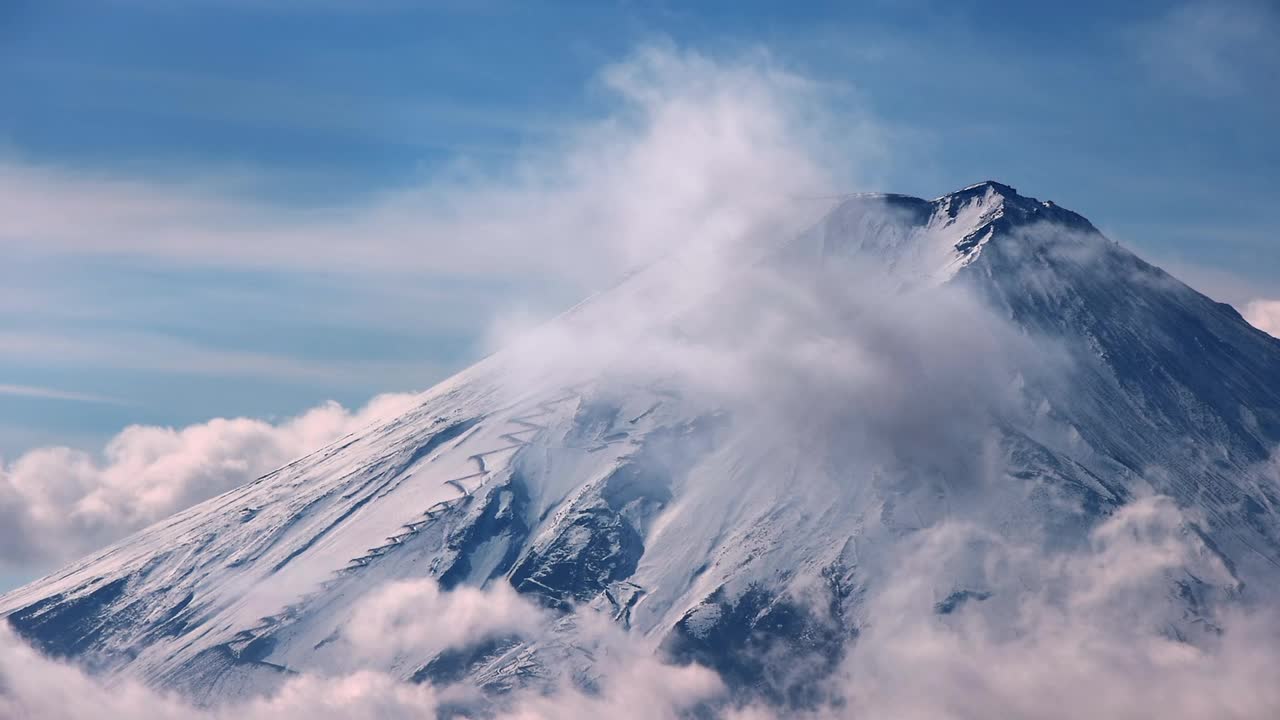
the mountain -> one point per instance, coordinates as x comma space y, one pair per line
723, 454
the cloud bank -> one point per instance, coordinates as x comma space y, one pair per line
58, 503
1056, 635
1081, 634
632, 684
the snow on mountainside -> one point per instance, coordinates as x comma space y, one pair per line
724, 481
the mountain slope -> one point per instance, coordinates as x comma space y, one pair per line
723, 453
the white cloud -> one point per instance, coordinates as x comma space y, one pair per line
416, 617
57, 503
630, 682
1264, 315
32, 686
802, 349
1084, 633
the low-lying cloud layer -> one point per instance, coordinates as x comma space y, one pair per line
58, 503
630, 684
1061, 635
1085, 634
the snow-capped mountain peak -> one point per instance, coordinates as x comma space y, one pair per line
746, 536
931, 240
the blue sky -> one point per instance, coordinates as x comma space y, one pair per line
153, 154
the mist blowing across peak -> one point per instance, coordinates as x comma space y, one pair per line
739, 461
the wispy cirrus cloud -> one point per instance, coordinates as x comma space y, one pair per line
34, 391
157, 353
536, 215
276, 104
1213, 47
